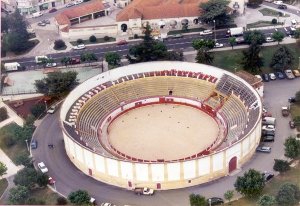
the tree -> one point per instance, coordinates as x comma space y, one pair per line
274, 21
88, 57
92, 39
185, 27
42, 179
282, 58
288, 194
297, 97
57, 83
266, 200
174, 56
254, 37
18, 195
251, 184
278, 36
232, 41
61, 201
38, 109
197, 200
3, 169
252, 61
26, 177
79, 41
23, 159
291, 147
59, 44
3, 114
215, 10
254, 3
65, 60
281, 165
228, 195
106, 38
79, 197
4, 24
297, 34
35, 201
113, 59
203, 46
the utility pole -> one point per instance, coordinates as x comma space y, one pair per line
215, 30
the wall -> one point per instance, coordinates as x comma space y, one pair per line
86, 32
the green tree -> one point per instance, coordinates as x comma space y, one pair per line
88, 57
18, 195
65, 60
42, 179
185, 27
3, 114
297, 97
297, 33
232, 41
197, 200
255, 3
250, 184
57, 83
281, 165
23, 159
282, 58
254, 37
92, 39
215, 10
203, 46
26, 177
252, 61
113, 59
278, 36
35, 201
4, 24
266, 200
3, 169
38, 109
79, 197
79, 41
59, 44
228, 195
288, 194
61, 201
291, 147
174, 56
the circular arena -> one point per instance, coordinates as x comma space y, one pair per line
163, 125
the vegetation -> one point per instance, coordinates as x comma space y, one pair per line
203, 46
93, 39
88, 57
79, 197
278, 36
292, 147
23, 159
254, 37
262, 24
228, 195
61, 201
98, 40
79, 41
254, 3
113, 59
26, 177
57, 83
266, 200
38, 109
3, 114
252, 60
197, 200
3, 169
282, 58
288, 194
215, 10
18, 195
232, 41
59, 44
281, 165
3, 185
271, 12
250, 184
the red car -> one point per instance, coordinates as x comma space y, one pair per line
267, 114
51, 181
122, 42
52, 10
292, 124
74, 61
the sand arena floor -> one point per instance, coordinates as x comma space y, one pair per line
163, 131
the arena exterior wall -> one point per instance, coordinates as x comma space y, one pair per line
126, 174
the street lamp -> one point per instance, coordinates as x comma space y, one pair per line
46, 105
26, 140
215, 30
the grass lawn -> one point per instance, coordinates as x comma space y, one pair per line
99, 40
271, 12
185, 31
273, 186
3, 185
45, 194
261, 24
60, 49
13, 151
231, 59
32, 43
295, 111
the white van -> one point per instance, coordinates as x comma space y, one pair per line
39, 59
269, 121
37, 14
13, 66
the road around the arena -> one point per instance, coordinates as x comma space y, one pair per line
68, 178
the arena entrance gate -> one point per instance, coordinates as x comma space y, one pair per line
232, 164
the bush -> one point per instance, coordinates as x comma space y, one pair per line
93, 39
59, 44
266, 200
61, 201
106, 38
38, 109
288, 194
136, 36
274, 21
23, 159
3, 114
34, 201
79, 41
9, 141
281, 165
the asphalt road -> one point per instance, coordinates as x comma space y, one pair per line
68, 178
288, 10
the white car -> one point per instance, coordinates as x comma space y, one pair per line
52, 109
78, 2
42, 167
218, 45
51, 64
205, 32
272, 76
268, 127
107, 204
259, 77
79, 47
278, 2
269, 39
37, 14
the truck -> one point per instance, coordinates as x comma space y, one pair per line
39, 59
285, 111
269, 121
237, 33
13, 66
143, 191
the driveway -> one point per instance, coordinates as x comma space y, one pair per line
68, 178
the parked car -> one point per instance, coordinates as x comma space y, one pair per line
296, 73
268, 138
46, 21
267, 133
52, 10
205, 32
51, 64
177, 36
272, 76
107, 204
52, 109
143, 191
292, 100
280, 75
292, 124
42, 167
79, 47
122, 42
78, 2
259, 77
74, 61
278, 2
265, 77
51, 181
267, 176
268, 127
218, 45
289, 74
215, 201
269, 39
34, 144
37, 14
41, 24
281, 6
70, 4
263, 149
